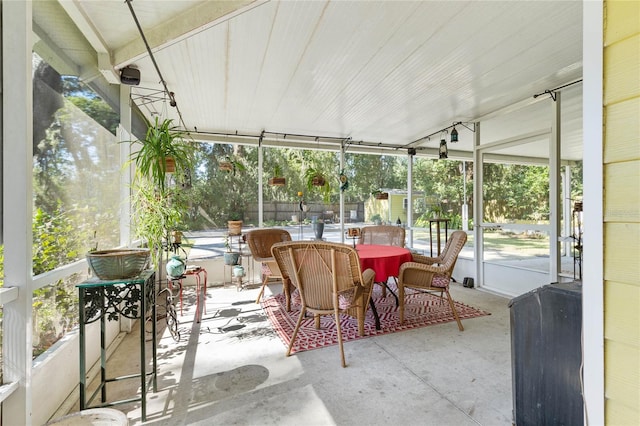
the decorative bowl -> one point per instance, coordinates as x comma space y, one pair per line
118, 263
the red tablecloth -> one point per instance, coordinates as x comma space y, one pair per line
384, 260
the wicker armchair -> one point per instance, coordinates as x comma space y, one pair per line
260, 242
328, 278
385, 235
432, 274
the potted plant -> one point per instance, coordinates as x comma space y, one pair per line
163, 150
277, 179
230, 257
376, 219
436, 211
316, 179
234, 223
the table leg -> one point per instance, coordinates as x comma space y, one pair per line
204, 271
430, 239
83, 376
103, 353
154, 341
143, 361
391, 291
375, 313
198, 290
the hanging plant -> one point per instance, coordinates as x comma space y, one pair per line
316, 179
230, 165
277, 179
163, 150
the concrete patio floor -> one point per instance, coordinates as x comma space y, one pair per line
231, 369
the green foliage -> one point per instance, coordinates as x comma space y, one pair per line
55, 307
513, 192
156, 213
516, 192
56, 240
368, 173
97, 109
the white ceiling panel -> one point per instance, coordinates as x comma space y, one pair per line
388, 72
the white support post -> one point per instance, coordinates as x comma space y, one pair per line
260, 184
554, 190
593, 272
465, 206
342, 231
409, 224
567, 215
17, 146
126, 177
478, 217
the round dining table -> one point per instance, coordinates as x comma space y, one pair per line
384, 260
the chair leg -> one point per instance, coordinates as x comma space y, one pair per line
362, 311
337, 319
264, 284
401, 302
287, 294
303, 311
453, 309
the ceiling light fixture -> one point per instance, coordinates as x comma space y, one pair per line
454, 134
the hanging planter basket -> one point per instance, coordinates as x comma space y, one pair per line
382, 196
169, 165
226, 166
277, 181
318, 181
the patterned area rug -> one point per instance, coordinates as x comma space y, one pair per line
421, 310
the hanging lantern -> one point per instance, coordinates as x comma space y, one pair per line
454, 134
443, 152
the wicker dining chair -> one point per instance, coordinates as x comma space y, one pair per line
329, 281
385, 235
260, 242
432, 274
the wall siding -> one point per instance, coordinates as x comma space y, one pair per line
623, 126
622, 186
622, 211
622, 251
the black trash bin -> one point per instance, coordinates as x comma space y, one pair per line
546, 355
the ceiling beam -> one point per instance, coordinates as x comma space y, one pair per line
89, 31
199, 18
52, 54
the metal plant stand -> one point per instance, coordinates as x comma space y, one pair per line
106, 300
